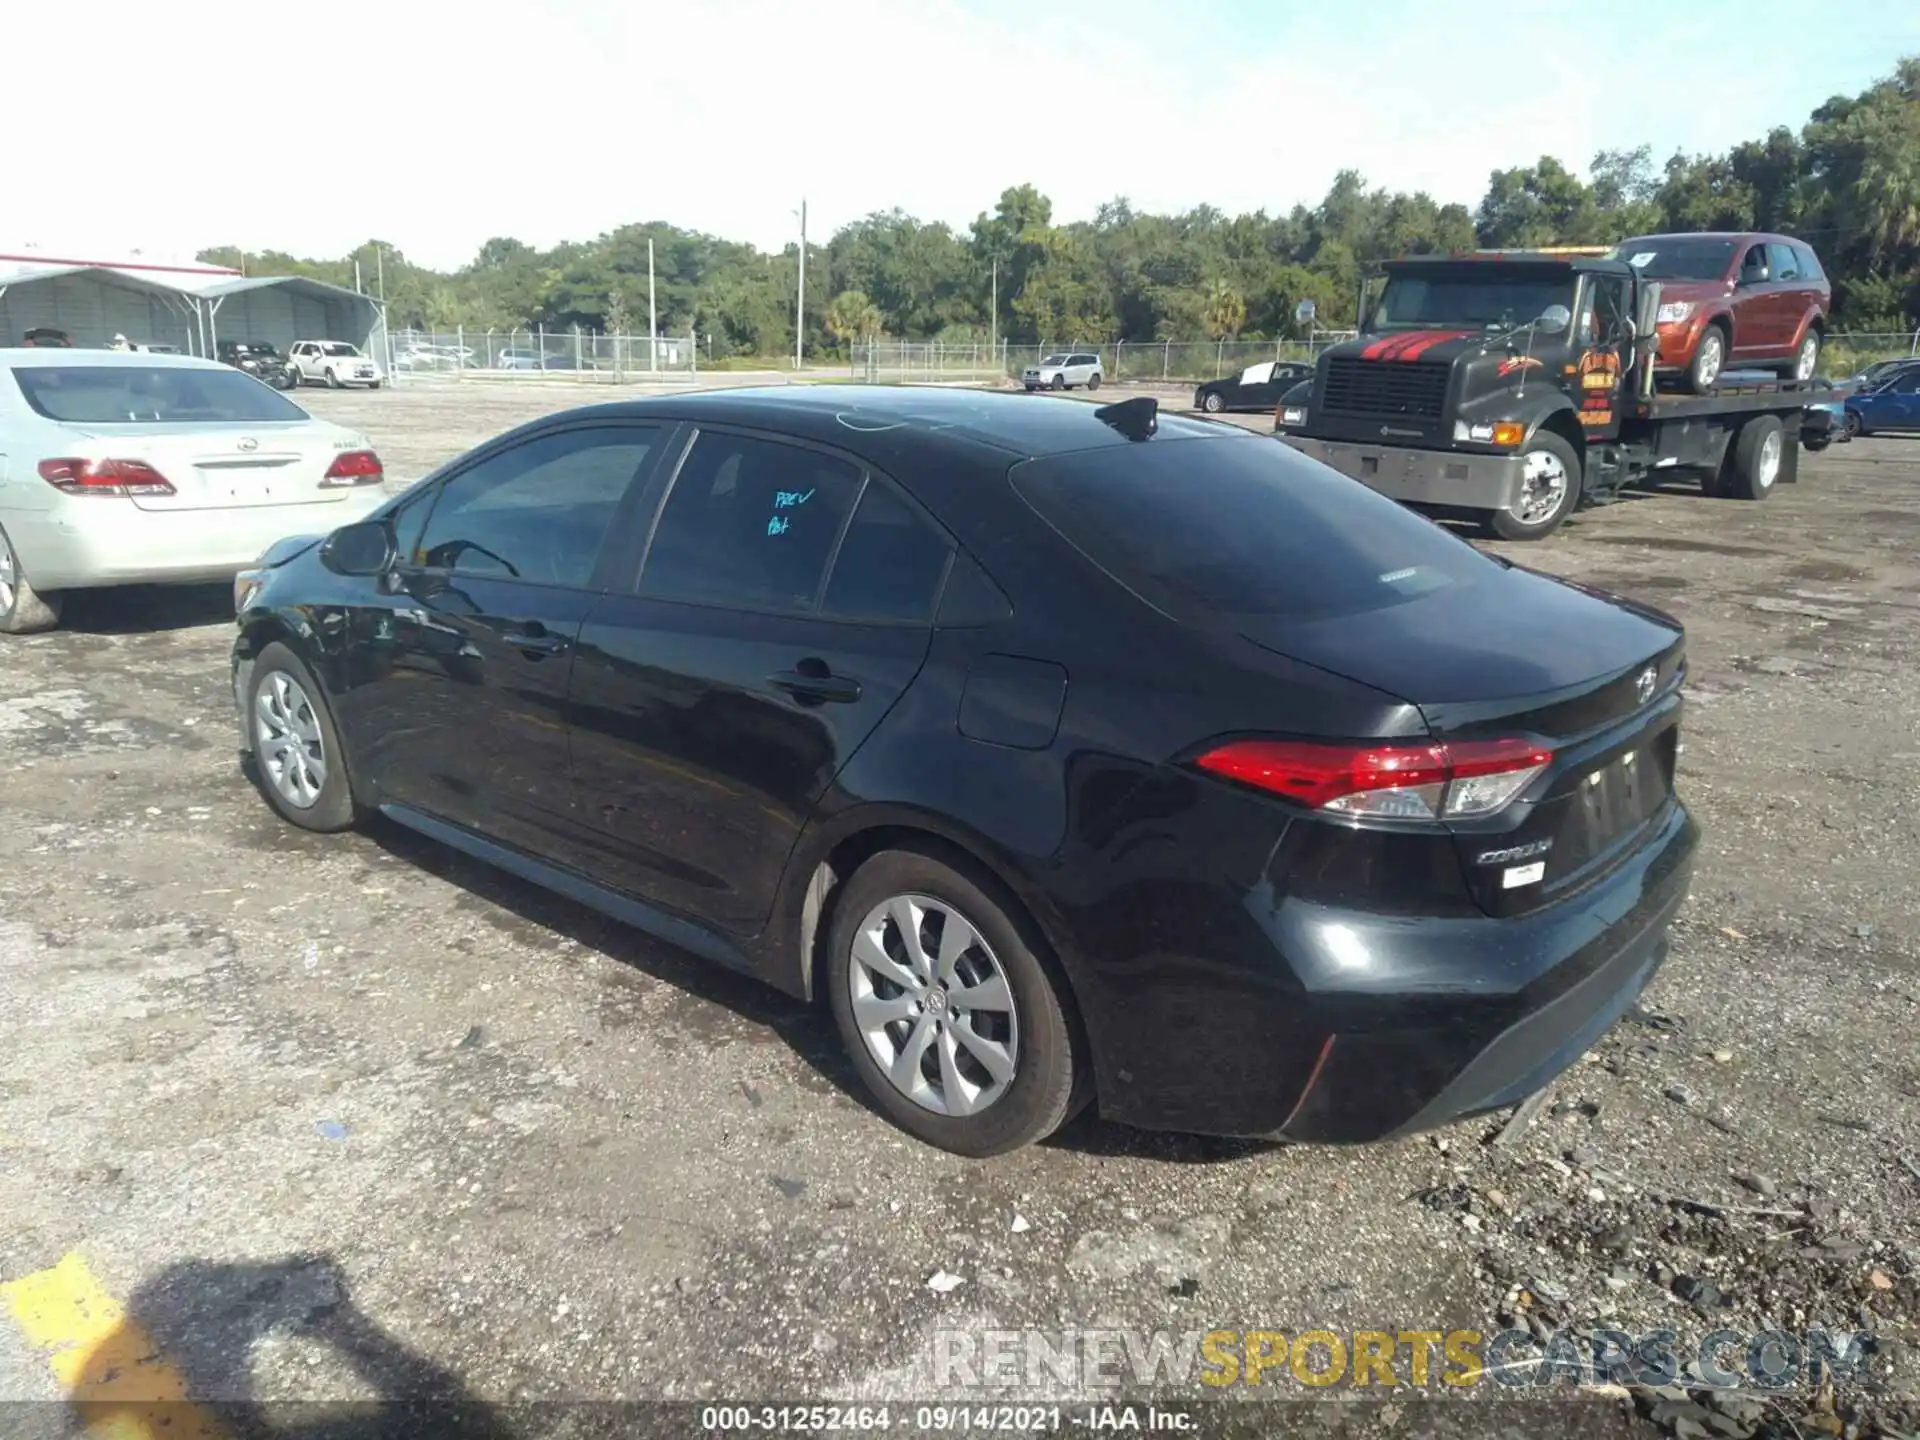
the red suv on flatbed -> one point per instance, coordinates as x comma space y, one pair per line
1733, 302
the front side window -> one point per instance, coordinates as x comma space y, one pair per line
156, 395
749, 523
339, 347
539, 511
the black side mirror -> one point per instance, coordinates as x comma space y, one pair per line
1554, 320
366, 548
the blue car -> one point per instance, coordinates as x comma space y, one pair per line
1826, 418
1892, 404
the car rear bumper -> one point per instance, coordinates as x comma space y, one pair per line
99, 542
1421, 477
1355, 1027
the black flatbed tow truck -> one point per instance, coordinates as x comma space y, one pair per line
1517, 387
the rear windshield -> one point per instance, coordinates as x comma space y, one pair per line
1678, 259
137, 395
1242, 526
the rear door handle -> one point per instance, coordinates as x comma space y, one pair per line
816, 689
535, 641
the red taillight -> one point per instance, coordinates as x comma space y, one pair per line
75, 476
355, 467
1458, 779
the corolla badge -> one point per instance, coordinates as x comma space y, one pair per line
1644, 683
249, 443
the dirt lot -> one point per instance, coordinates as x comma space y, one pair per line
338, 1117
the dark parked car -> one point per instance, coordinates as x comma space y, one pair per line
1258, 387
1893, 403
260, 360
1734, 301
1064, 751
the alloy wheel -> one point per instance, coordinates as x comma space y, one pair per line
287, 739
934, 1006
1809, 357
1713, 354
1543, 485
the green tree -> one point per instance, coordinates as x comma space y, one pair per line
1226, 312
853, 317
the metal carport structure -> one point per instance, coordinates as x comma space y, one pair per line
93, 303
280, 309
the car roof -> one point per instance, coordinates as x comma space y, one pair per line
866, 418
1717, 235
145, 359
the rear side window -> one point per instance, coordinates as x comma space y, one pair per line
1209, 529
750, 523
1809, 263
151, 395
890, 564
1784, 262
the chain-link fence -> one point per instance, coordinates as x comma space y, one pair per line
587, 356
532, 354
1172, 362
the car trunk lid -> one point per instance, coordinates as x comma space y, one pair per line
1595, 677
228, 467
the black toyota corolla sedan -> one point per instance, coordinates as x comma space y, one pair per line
1066, 751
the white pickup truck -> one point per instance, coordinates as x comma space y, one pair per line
334, 363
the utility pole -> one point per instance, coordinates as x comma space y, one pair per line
800, 304
380, 272
356, 277
653, 316
993, 313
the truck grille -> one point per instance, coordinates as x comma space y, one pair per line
1416, 391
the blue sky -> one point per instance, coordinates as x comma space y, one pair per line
310, 127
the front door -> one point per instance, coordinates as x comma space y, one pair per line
1600, 364
458, 704
784, 605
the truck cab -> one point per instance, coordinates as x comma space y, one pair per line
1515, 386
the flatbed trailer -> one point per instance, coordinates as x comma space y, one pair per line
1523, 427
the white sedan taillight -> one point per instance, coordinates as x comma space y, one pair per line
75, 476
354, 467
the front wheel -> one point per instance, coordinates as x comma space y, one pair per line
1059, 382
1709, 360
1549, 490
955, 1023
298, 761
333, 380
1854, 428
373, 385
1213, 404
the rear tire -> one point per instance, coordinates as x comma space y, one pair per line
299, 764
1806, 359
1709, 361
23, 610
1048, 1069
1553, 494
1093, 382
1753, 462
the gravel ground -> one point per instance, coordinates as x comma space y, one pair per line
346, 1117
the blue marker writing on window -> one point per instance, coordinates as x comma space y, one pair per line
787, 499
777, 525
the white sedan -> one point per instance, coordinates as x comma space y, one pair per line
123, 468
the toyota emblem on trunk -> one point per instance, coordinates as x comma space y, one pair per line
1643, 684
249, 443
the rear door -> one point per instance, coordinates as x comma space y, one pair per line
459, 703
785, 603
1794, 292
